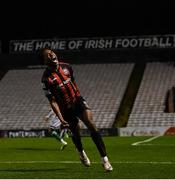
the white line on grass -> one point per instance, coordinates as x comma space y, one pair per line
78, 162
145, 141
158, 144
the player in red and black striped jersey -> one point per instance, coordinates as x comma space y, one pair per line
66, 101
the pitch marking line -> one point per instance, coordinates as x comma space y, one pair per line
78, 162
145, 141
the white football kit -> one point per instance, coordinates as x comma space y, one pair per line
54, 121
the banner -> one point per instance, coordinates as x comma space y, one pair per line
146, 131
45, 133
97, 43
23, 133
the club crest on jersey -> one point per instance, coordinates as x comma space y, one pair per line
66, 71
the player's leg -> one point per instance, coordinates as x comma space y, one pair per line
63, 142
75, 129
54, 133
87, 118
56, 126
64, 133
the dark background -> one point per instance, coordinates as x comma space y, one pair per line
37, 19
47, 19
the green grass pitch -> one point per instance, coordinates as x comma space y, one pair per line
31, 158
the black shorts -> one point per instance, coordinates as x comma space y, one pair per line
72, 114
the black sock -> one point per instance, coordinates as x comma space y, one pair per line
99, 143
77, 141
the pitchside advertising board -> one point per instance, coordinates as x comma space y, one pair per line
147, 131
126, 131
45, 133
100, 43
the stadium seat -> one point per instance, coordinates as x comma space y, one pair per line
149, 105
23, 104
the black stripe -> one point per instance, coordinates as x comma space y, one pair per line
65, 85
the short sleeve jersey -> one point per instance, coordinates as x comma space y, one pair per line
61, 85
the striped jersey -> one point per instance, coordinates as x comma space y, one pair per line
61, 84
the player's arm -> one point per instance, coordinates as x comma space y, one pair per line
46, 118
53, 103
57, 111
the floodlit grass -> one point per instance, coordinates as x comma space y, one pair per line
23, 158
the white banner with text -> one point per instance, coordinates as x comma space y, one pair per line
97, 43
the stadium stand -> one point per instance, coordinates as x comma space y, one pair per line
104, 88
149, 106
23, 105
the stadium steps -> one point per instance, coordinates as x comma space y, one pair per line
129, 95
103, 89
23, 104
149, 106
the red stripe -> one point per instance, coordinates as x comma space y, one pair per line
68, 97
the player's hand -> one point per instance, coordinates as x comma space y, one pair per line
64, 124
46, 118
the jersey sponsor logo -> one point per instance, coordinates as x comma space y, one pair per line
65, 82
